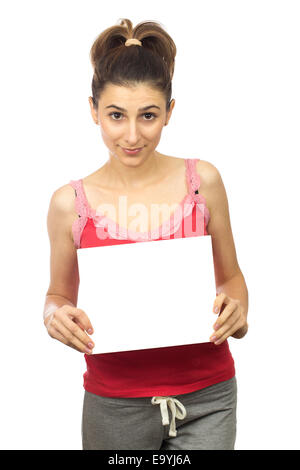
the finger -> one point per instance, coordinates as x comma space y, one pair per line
227, 325
77, 331
84, 320
73, 333
220, 299
78, 323
225, 315
54, 333
70, 338
229, 332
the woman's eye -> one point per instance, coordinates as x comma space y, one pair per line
112, 114
145, 114
150, 114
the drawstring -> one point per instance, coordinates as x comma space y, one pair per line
172, 402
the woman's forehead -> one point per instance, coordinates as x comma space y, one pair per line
138, 92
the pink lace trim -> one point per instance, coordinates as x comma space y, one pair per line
82, 210
166, 229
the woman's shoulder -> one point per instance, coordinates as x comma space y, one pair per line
201, 165
212, 187
209, 173
63, 198
62, 208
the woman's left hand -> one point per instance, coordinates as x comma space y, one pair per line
231, 319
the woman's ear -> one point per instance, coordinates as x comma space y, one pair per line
93, 110
172, 104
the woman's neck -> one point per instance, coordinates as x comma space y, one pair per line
135, 177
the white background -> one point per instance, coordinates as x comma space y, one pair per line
236, 86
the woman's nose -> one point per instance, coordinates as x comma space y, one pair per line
132, 133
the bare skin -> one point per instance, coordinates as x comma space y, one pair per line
147, 208
150, 177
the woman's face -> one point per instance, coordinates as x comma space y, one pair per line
125, 124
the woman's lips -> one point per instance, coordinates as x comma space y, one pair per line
131, 152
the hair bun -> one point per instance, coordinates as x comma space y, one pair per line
152, 63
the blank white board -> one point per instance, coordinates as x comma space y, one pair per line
148, 294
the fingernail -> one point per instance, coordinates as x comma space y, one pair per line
89, 351
213, 338
90, 331
216, 310
90, 345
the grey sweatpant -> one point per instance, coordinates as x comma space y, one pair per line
209, 421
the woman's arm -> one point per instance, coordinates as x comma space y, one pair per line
228, 275
63, 320
64, 275
236, 288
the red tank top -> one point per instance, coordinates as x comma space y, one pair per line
157, 371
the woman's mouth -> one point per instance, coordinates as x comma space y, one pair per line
132, 151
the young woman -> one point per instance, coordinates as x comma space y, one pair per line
127, 393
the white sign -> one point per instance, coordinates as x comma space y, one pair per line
148, 294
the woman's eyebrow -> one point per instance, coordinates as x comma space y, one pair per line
140, 109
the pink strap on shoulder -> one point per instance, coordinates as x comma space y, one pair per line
193, 178
194, 182
81, 205
81, 209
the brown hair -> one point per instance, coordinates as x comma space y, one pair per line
151, 63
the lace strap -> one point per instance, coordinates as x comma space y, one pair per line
193, 178
81, 205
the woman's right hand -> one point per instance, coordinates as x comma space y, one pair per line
68, 324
